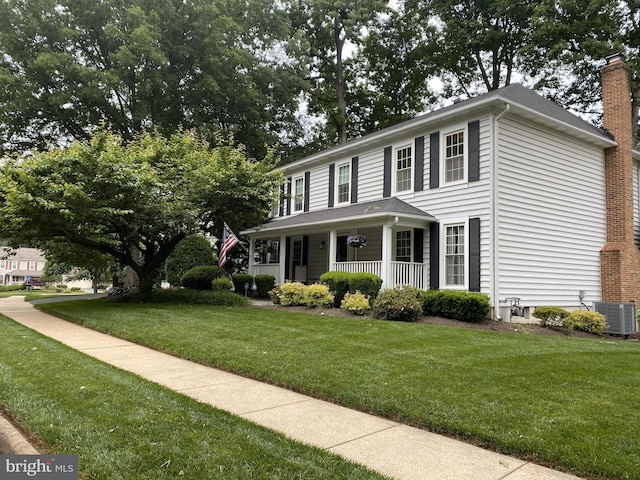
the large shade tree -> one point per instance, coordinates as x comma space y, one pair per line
68, 65
134, 201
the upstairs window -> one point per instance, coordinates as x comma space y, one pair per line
298, 194
344, 183
454, 157
404, 163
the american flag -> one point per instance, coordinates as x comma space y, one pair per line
229, 240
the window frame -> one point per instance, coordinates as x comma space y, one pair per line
337, 183
297, 199
455, 129
410, 246
411, 169
459, 222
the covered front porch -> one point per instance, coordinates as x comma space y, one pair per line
302, 247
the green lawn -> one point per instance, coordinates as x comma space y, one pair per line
123, 427
569, 403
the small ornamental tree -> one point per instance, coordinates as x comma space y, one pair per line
193, 251
133, 201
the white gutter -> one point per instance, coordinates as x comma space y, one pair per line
495, 215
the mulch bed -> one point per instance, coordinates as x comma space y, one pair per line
516, 328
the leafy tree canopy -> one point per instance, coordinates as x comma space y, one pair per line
133, 201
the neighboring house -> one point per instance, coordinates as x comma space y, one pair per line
506, 194
26, 262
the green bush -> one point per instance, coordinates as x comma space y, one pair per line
366, 283
275, 294
264, 283
318, 295
193, 297
193, 251
338, 283
11, 288
551, 316
200, 278
460, 305
592, 322
239, 279
292, 294
402, 304
75, 289
221, 283
356, 303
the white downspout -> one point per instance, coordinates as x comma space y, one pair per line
387, 243
495, 215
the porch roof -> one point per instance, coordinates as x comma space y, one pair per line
374, 211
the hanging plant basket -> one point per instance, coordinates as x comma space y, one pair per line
357, 241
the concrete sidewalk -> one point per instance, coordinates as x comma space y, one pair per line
388, 447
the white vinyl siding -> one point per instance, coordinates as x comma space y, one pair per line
552, 215
636, 203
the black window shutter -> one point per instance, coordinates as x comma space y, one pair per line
419, 161
332, 184
354, 179
418, 245
305, 205
474, 151
305, 250
434, 256
386, 188
287, 258
289, 196
474, 254
434, 160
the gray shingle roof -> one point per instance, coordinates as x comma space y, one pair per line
382, 208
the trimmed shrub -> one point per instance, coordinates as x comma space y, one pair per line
366, 283
223, 298
200, 278
356, 303
221, 283
193, 251
551, 316
75, 289
318, 295
275, 294
460, 305
402, 304
338, 283
292, 294
11, 288
264, 283
591, 322
239, 279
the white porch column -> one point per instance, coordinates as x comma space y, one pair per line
282, 259
252, 250
333, 248
387, 245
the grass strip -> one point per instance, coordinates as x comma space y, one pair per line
569, 403
122, 426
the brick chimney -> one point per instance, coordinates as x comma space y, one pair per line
619, 258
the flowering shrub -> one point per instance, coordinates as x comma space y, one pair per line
551, 316
292, 294
357, 241
592, 322
318, 295
402, 304
356, 303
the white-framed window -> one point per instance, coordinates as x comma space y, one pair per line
403, 168
3, 264
454, 156
455, 255
31, 265
343, 193
14, 265
298, 194
403, 246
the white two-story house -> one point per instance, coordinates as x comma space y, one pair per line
504, 194
16, 265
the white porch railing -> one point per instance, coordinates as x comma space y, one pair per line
266, 269
409, 273
402, 273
